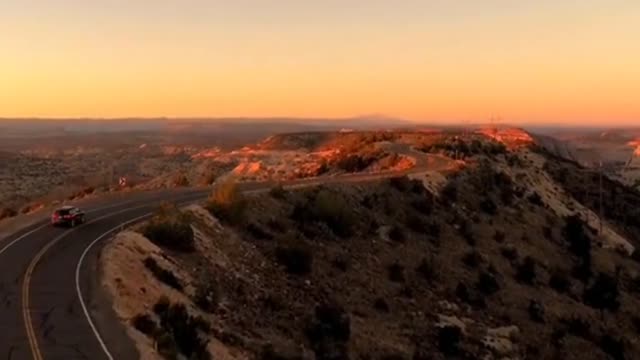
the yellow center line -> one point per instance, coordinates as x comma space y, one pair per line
26, 311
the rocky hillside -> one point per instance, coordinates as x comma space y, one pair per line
501, 259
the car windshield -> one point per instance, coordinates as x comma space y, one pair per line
63, 212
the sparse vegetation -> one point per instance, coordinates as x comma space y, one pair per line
536, 311
487, 283
396, 273
227, 203
559, 281
181, 332
397, 234
180, 180
449, 338
428, 269
535, 199
296, 258
145, 324
278, 192
613, 347
165, 276
171, 228
495, 258
329, 331
7, 213
329, 208
207, 294
526, 271
603, 293
472, 259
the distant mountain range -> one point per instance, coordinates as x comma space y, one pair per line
276, 124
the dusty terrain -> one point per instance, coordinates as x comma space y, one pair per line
617, 149
47, 162
502, 258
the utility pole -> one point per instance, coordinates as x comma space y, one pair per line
601, 209
587, 199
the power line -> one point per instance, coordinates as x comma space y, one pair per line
601, 209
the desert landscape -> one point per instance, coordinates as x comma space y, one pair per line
320, 180
386, 244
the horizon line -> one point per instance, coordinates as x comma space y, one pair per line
373, 117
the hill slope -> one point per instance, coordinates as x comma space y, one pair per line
501, 260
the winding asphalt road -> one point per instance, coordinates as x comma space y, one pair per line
42, 280
51, 306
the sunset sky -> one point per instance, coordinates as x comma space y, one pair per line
542, 61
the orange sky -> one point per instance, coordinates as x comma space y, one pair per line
540, 62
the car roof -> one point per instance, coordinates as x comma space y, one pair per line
67, 207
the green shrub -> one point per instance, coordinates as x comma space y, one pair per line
472, 259
395, 272
258, 231
296, 258
510, 252
207, 295
449, 338
602, 293
271, 352
613, 347
145, 324
381, 305
184, 330
329, 208
559, 281
180, 179
402, 183
576, 236
470, 296
428, 269
356, 162
535, 199
397, 234
329, 331
208, 178
536, 311
171, 229
227, 203
278, 192
488, 206
526, 271
162, 274
487, 283
449, 192
416, 223
578, 327
7, 213
423, 205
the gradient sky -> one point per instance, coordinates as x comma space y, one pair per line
537, 61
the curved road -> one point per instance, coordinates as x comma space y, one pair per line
41, 316
51, 306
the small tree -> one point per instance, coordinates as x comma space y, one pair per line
526, 271
574, 233
227, 203
180, 179
7, 213
603, 293
296, 258
170, 228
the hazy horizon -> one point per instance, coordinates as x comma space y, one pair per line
317, 121
542, 63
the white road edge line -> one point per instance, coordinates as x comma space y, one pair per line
6, 247
79, 292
